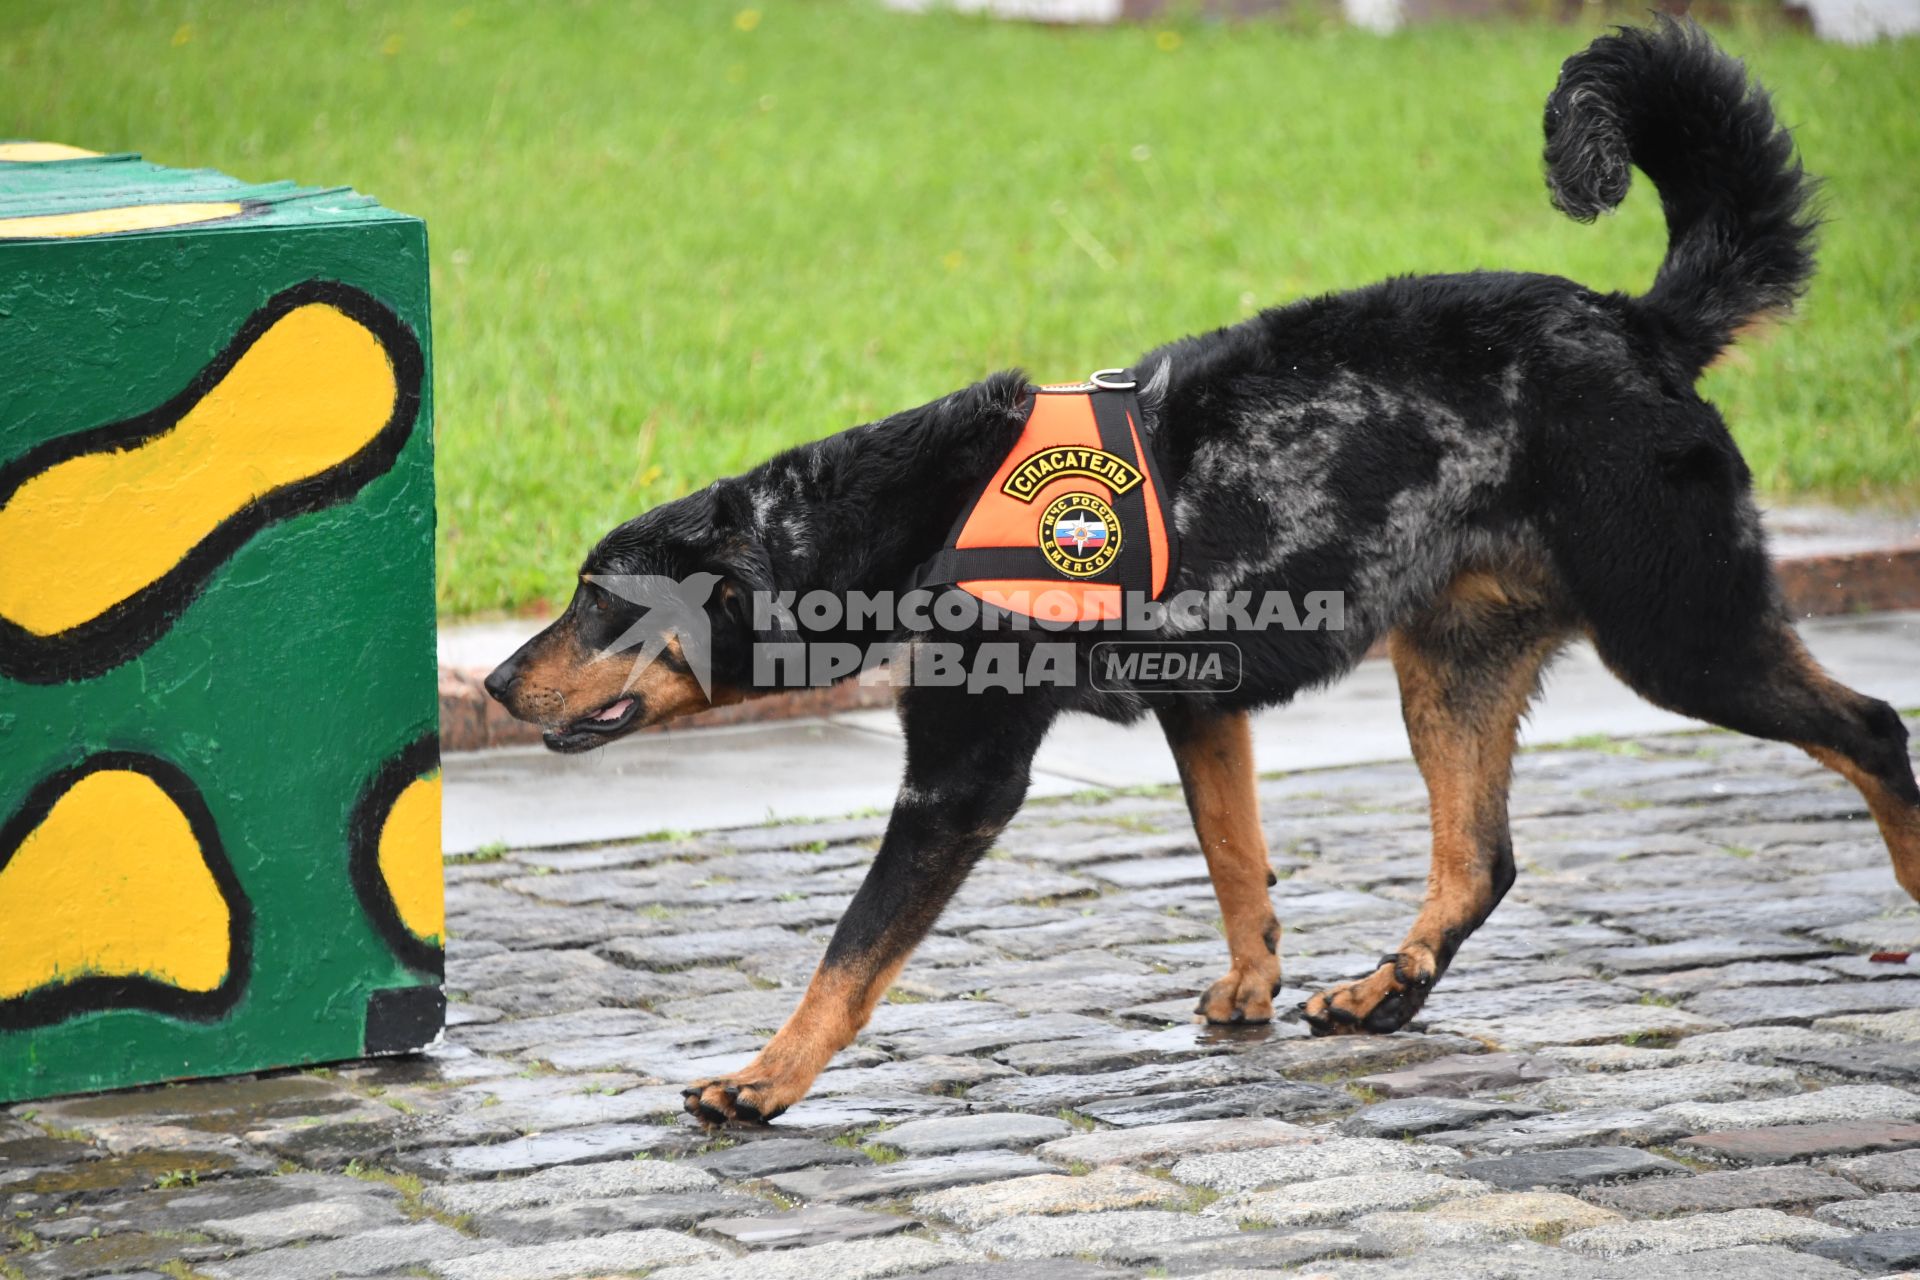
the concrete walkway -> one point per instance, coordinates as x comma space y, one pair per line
744, 776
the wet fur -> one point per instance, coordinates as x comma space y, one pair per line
1484, 464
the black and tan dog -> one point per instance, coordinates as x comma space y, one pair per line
1485, 465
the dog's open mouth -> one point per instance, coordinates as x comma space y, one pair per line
597, 729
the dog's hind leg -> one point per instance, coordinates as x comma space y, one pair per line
1467, 668
1764, 683
966, 776
1658, 542
1214, 752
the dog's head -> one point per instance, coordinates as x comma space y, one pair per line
659, 626
662, 622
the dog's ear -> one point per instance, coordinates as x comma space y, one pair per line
746, 571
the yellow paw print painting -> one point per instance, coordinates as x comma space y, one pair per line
119, 219
108, 535
117, 894
394, 855
115, 219
42, 152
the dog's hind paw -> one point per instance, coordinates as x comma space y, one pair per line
741, 1098
1374, 1005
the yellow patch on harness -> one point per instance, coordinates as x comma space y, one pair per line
1036, 472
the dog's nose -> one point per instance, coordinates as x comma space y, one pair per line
500, 680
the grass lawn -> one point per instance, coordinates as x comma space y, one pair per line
669, 238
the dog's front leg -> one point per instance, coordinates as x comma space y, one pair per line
1214, 753
967, 760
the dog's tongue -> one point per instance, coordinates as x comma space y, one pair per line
615, 711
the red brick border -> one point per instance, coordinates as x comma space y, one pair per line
1862, 582
1815, 586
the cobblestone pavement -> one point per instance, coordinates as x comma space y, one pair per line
1672, 1039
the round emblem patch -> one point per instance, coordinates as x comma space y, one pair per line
1079, 534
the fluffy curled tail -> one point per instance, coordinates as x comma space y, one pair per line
1740, 230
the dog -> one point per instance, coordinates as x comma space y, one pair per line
1484, 465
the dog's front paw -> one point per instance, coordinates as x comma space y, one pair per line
1377, 1004
1244, 995
752, 1096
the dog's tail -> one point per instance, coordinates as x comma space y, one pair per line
1739, 227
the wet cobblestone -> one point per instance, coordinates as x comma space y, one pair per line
1672, 1039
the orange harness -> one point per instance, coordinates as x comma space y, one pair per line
1072, 519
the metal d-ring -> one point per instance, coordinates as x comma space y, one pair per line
1113, 379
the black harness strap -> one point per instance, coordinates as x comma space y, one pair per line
1132, 568
973, 564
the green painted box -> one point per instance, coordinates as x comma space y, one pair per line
219, 769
